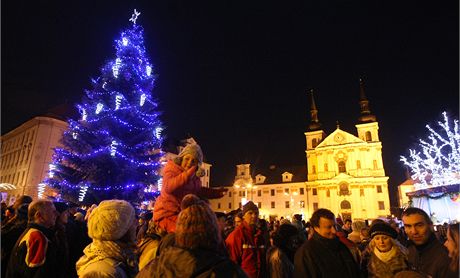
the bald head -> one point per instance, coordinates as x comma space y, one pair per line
42, 212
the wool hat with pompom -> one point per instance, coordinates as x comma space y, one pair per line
196, 225
111, 220
193, 149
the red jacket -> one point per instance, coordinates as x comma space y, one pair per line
178, 182
248, 250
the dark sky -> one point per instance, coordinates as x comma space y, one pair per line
234, 74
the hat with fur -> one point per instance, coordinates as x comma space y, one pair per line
110, 220
197, 225
249, 206
382, 229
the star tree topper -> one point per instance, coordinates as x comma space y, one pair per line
134, 16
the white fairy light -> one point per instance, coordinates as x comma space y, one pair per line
142, 100
158, 131
83, 114
134, 16
116, 67
438, 163
99, 108
113, 148
148, 70
125, 41
118, 101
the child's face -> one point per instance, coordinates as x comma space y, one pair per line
188, 161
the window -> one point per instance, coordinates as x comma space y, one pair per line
272, 192
375, 165
286, 190
286, 204
379, 189
240, 193
315, 191
381, 205
259, 193
273, 205
328, 193
229, 194
315, 206
244, 193
344, 189
230, 205
345, 205
239, 204
242, 174
368, 136
361, 192
342, 167
218, 205
259, 204
314, 143
313, 169
358, 164
302, 204
301, 191
325, 167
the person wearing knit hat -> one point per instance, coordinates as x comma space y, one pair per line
197, 249
180, 177
246, 245
280, 257
112, 227
384, 256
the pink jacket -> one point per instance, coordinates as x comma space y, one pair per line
178, 182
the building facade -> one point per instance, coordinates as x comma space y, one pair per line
26, 153
345, 173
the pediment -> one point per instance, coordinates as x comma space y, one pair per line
339, 137
342, 176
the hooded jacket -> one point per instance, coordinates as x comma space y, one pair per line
178, 182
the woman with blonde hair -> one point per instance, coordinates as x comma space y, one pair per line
452, 246
384, 256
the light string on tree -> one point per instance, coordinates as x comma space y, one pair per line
438, 162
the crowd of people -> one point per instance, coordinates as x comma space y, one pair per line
183, 237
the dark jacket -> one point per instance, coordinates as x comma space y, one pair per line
181, 263
322, 257
10, 235
430, 258
279, 265
34, 254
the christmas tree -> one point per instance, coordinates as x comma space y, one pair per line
113, 150
437, 163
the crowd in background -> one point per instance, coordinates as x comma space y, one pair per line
183, 237
113, 239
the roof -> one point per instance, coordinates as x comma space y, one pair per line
273, 173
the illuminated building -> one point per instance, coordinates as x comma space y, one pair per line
345, 173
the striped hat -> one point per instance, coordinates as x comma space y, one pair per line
382, 228
197, 225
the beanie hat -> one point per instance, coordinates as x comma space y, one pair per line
382, 228
197, 225
60, 206
193, 149
110, 220
250, 206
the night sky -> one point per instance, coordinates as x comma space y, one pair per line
234, 74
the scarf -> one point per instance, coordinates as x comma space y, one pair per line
385, 256
118, 251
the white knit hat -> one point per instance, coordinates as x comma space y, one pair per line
110, 220
193, 149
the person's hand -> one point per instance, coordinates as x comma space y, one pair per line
191, 171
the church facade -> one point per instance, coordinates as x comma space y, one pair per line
344, 173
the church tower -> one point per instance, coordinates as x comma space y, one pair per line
315, 134
368, 126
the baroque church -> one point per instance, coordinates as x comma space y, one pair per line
344, 173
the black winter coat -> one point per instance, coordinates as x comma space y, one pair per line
322, 257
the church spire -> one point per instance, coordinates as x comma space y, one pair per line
314, 123
366, 115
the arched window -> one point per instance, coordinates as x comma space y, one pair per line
345, 205
342, 167
314, 143
368, 136
344, 189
